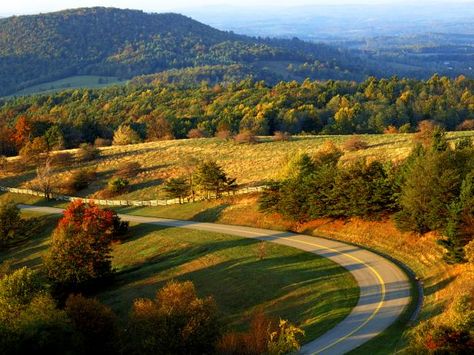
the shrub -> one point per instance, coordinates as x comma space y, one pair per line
466, 125
224, 134
102, 142
469, 251
245, 137
279, 136
265, 336
175, 322
96, 324
128, 169
355, 143
390, 130
87, 152
79, 180
196, 133
117, 185
125, 135
285, 340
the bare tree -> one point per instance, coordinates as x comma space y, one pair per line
45, 178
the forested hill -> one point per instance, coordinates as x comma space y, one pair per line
125, 43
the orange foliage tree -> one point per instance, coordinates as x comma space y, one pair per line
81, 246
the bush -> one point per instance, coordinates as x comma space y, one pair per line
390, 130
355, 143
117, 185
196, 133
128, 169
79, 180
467, 125
96, 324
224, 134
265, 336
245, 137
279, 136
175, 322
87, 152
102, 142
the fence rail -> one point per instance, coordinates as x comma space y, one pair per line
102, 202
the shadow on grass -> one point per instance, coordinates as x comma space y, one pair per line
211, 214
438, 286
291, 285
29, 252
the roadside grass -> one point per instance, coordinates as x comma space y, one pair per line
251, 164
307, 289
72, 82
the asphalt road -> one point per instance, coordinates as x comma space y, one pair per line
384, 287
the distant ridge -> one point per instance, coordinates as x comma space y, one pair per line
125, 43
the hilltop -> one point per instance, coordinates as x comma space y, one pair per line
125, 43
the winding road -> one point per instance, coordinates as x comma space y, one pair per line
384, 287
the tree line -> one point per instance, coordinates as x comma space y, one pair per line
164, 111
431, 190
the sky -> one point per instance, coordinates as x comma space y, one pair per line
19, 7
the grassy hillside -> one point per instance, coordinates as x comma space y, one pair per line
251, 164
288, 283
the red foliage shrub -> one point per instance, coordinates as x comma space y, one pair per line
196, 133
279, 136
245, 137
355, 143
467, 125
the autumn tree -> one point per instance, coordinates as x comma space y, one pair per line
95, 324
80, 251
125, 135
158, 128
22, 132
33, 150
175, 322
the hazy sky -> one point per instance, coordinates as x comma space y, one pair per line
18, 7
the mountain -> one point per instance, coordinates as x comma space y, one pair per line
125, 43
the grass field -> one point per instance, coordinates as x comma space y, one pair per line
307, 289
72, 82
250, 164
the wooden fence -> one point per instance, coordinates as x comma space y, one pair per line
99, 202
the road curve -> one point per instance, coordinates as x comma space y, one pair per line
384, 287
